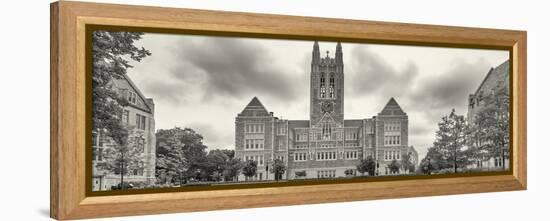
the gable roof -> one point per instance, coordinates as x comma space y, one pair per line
500, 72
327, 118
392, 108
130, 83
255, 108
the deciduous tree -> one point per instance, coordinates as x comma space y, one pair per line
491, 124
250, 168
450, 142
278, 168
367, 166
180, 153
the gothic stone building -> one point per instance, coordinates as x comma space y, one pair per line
496, 78
326, 145
140, 115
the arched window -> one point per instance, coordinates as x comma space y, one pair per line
322, 86
331, 87
327, 131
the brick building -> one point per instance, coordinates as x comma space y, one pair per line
496, 78
140, 116
326, 145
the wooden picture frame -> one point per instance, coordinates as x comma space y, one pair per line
69, 198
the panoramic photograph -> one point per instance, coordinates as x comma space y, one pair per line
174, 110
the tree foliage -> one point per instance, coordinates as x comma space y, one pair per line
180, 153
367, 166
450, 150
111, 55
232, 169
250, 168
490, 130
278, 168
407, 164
125, 158
394, 167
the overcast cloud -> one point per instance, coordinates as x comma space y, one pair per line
204, 82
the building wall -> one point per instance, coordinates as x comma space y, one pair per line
496, 78
138, 105
303, 146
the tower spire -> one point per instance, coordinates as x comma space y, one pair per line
315, 55
339, 55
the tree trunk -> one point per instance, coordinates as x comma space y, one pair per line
122, 171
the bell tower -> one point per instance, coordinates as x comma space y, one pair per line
327, 86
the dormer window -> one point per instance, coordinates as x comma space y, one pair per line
132, 97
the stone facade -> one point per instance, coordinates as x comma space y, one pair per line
496, 78
326, 145
140, 116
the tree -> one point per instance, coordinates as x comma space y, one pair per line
367, 166
451, 142
394, 167
110, 54
278, 168
180, 153
232, 169
215, 164
491, 124
250, 168
125, 157
406, 163
426, 166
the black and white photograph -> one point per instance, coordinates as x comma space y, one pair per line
177, 110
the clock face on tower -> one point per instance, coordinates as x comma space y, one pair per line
327, 107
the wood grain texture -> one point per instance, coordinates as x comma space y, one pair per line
68, 84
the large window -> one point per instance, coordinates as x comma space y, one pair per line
281, 130
301, 137
326, 173
390, 155
97, 146
254, 144
351, 135
326, 156
300, 156
254, 128
331, 88
323, 90
350, 155
327, 131
126, 116
140, 121
392, 140
258, 158
392, 133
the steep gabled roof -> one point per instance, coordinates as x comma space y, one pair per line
327, 118
126, 83
500, 72
392, 108
255, 108
255, 102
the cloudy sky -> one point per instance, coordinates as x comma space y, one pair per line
204, 82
